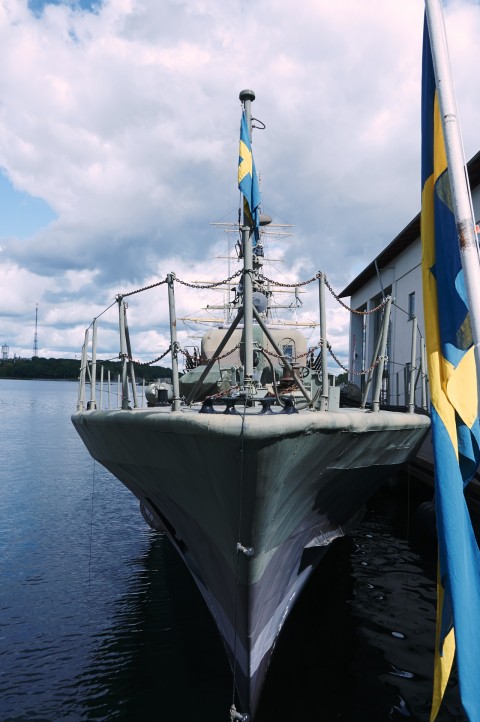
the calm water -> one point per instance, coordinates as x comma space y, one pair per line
100, 621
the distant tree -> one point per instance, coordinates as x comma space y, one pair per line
69, 369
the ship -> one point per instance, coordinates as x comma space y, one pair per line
248, 462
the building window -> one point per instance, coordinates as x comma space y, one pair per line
288, 348
411, 305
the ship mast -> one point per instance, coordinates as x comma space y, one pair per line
462, 206
247, 96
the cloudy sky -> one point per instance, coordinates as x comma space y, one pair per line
119, 125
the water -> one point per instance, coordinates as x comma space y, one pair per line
100, 621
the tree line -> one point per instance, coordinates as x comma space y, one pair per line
69, 369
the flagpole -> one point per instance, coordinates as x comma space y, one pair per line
247, 97
456, 168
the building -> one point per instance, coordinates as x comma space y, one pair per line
397, 272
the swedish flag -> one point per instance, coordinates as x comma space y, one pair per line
248, 179
455, 427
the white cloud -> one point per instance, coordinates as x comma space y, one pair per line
125, 121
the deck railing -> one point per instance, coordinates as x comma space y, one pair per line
127, 393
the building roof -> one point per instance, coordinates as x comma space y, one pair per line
404, 239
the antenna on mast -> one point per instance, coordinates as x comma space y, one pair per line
35, 338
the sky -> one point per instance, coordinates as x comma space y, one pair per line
119, 126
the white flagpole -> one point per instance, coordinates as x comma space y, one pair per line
456, 167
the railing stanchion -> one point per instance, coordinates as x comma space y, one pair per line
174, 342
323, 337
83, 371
130, 362
383, 348
101, 386
424, 375
123, 355
92, 404
413, 360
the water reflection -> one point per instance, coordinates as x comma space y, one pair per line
161, 658
359, 645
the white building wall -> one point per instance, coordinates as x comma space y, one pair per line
402, 277
408, 281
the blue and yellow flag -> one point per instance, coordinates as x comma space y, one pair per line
248, 179
455, 427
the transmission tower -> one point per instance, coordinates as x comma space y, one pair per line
35, 338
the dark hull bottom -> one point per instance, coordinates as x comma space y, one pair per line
290, 567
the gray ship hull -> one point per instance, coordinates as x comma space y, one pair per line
281, 486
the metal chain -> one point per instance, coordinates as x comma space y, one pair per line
145, 288
227, 353
353, 310
310, 350
273, 354
289, 285
260, 277
184, 283
354, 373
227, 392
336, 297
159, 358
184, 352
269, 353
210, 285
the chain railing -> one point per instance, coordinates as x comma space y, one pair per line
144, 288
159, 358
319, 276
292, 284
261, 278
354, 310
210, 285
363, 372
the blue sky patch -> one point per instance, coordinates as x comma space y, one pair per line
21, 215
37, 6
